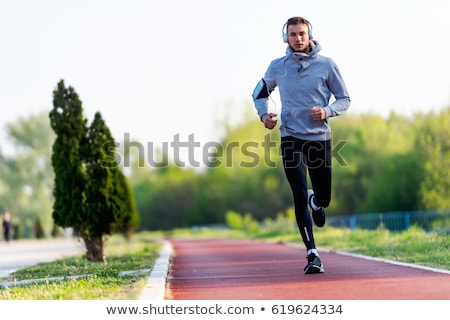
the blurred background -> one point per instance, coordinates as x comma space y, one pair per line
173, 81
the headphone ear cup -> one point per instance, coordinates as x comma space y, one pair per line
310, 31
284, 34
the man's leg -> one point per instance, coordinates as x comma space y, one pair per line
295, 170
320, 173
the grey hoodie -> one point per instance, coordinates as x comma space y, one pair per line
305, 80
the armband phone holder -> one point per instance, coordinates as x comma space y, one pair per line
261, 90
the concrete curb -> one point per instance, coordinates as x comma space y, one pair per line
155, 287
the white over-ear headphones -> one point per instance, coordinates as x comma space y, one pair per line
284, 30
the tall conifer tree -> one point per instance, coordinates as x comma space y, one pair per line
91, 192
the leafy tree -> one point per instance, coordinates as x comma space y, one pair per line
91, 193
26, 176
38, 229
374, 152
396, 187
170, 200
434, 144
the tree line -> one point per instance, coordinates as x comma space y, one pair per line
380, 164
394, 163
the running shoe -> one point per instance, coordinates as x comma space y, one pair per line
314, 265
318, 216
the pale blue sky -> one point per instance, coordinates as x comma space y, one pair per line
158, 68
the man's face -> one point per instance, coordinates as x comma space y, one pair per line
298, 37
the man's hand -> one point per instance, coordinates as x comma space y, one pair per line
269, 120
318, 113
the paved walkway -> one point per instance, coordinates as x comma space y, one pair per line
19, 254
256, 270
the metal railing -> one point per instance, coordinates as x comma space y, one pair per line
395, 221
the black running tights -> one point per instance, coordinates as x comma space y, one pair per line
298, 156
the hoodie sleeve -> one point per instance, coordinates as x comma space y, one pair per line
261, 93
338, 88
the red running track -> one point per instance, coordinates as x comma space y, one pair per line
256, 270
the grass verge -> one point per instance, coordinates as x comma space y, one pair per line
80, 279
